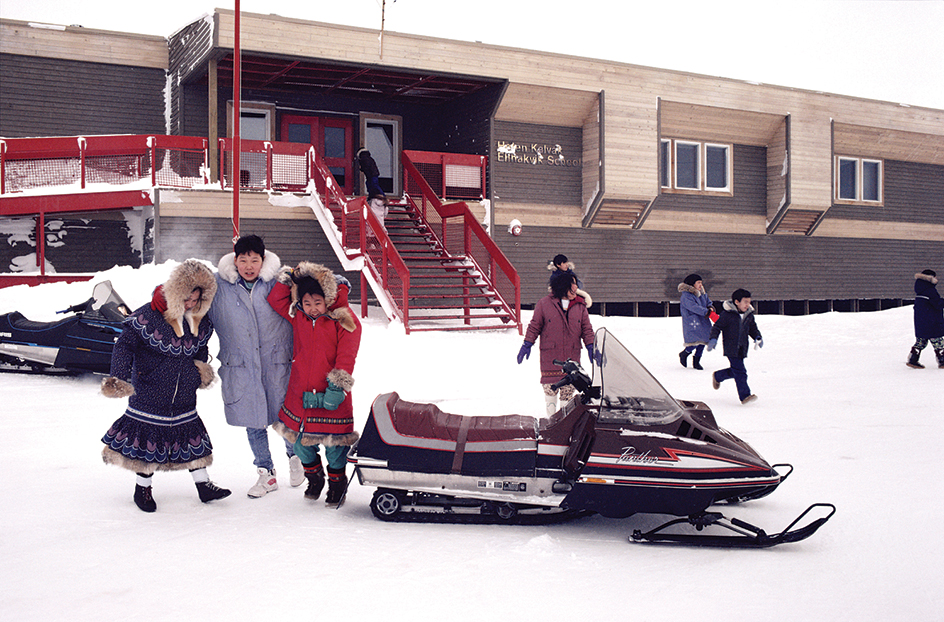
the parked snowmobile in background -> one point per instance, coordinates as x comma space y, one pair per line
82, 342
621, 446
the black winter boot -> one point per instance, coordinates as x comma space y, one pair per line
143, 498
683, 358
940, 358
314, 473
913, 359
696, 362
209, 491
337, 483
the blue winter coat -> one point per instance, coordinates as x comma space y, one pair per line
695, 306
928, 308
255, 345
160, 365
735, 331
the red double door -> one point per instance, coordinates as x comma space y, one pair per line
333, 139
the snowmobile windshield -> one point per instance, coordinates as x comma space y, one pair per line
629, 393
107, 303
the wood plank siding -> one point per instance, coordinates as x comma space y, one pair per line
55, 97
619, 265
76, 43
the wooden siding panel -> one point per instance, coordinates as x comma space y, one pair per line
76, 43
638, 266
913, 193
55, 97
182, 237
537, 180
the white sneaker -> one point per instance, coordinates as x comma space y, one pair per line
296, 472
266, 483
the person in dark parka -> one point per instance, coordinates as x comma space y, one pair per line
928, 319
158, 363
736, 326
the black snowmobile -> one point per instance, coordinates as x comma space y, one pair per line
80, 343
621, 446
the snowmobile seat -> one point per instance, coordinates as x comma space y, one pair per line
421, 437
428, 421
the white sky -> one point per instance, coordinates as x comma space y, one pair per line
891, 50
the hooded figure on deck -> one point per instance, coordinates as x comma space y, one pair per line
159, 362
317, 409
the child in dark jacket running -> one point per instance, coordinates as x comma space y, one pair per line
928, 319
735, 326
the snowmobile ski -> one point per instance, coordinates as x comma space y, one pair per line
748, 536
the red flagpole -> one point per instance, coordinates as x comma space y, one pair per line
237, 147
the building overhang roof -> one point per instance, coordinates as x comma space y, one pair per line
369, 82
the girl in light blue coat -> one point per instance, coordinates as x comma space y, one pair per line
255, 353
696, 309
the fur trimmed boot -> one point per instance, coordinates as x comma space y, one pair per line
337, 482
940, 358
913, 359
314, 473
683, 358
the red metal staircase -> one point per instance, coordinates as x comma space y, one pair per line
430, 265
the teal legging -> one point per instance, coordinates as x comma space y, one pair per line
335, 454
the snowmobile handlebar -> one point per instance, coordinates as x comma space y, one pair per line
82, 306
573, 374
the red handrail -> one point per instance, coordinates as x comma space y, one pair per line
476, 244
174, 161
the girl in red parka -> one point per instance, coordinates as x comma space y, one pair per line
317, 409
561, 321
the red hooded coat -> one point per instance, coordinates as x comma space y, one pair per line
324, 348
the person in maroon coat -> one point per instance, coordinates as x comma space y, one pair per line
317, 409
561, 320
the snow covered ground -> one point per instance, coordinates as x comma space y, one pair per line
861, 429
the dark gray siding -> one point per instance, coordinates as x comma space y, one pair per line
87, 242
913, 193
54, 97
531, 182
210, 238
188, 49
635, 266
750, 188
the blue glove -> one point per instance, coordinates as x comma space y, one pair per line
711, 344
759, 343
590, 352
313, 400
525, 351
333, 396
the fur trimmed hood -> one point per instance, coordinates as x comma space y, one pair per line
271, 264
564, 267
185, 278
730, 306
335, 297
926, 277
685, 287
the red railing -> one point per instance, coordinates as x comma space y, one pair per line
450, 175
171, 161
461, 235
267, 165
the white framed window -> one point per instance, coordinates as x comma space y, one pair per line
858, 180
691, 166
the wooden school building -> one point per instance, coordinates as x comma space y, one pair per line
812, 201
